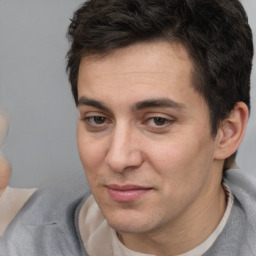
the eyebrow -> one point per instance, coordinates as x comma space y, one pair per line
150, 103
84, 101
162, 102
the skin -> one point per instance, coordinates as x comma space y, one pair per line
5, 169
3, 128
5, 172
125, 137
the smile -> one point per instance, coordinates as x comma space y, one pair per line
128, 193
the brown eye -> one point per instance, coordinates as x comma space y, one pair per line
96, 123
160, 121
98, 119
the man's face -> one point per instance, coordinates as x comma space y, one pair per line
144, 137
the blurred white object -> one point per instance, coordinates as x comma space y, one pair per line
5, 169
3, 128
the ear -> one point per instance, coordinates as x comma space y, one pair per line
231, 131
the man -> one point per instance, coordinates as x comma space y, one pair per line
162, 89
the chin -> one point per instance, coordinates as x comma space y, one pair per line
130, 222
128, 228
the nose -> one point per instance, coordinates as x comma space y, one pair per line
124, 152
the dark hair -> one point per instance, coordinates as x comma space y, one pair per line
215, 33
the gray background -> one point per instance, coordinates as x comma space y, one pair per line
35, 94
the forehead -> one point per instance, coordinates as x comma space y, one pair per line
152, 51
155, 59
144, 70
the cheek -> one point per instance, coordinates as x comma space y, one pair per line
182, 159
91, 151
183, 169
170, 154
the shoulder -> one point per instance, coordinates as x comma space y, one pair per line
239, 235
243, 187
46, 224
11, 201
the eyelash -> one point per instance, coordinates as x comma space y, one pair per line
92, 124
100, 118
162, 120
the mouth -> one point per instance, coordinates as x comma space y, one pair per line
126, 193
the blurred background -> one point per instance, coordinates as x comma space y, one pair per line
35, 94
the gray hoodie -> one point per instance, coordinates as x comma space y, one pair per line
48, 223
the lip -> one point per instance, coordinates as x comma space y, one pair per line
126, 193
